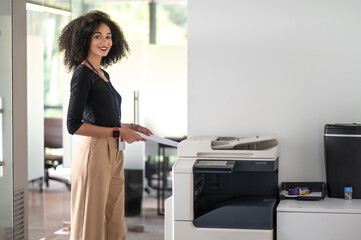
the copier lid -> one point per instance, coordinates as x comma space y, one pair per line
258, 147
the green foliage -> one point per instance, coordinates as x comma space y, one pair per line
177, 13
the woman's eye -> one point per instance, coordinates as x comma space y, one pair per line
109, 37
97, 36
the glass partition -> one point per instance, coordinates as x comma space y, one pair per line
49, 208
6, 161
48, 26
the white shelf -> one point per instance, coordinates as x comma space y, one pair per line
327, 205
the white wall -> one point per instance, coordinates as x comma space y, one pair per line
35, 105
166, 90
275, 67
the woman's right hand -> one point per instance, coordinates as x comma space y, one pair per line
129, 135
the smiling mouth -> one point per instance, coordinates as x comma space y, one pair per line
103, 48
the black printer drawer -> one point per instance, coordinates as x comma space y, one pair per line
241, 213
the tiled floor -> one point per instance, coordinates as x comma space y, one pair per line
49, 209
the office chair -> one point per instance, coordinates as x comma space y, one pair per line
53, 139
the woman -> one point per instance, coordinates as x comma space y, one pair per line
97, 194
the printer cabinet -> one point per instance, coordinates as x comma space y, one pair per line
331, 219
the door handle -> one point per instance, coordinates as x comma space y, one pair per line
1, 105
136, 106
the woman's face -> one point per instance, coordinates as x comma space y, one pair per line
101, 42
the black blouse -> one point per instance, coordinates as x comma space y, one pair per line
91, 100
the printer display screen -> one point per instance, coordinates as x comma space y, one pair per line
212, 163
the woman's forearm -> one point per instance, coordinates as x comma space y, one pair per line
90, 130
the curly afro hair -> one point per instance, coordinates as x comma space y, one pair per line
76, 36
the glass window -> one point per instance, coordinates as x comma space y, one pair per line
60, 4
133, 18
48, 26
171, 23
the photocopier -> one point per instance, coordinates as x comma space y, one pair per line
224, 188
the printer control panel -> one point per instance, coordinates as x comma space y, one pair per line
212, 164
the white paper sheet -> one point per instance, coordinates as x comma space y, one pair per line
158, 139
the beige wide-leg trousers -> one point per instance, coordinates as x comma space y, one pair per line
97, 190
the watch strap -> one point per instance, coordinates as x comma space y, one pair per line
116, 132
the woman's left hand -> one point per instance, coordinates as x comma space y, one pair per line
142, 129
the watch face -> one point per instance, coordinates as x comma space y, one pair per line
116, 134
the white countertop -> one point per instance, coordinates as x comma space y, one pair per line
327, 205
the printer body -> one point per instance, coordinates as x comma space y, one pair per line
224, 188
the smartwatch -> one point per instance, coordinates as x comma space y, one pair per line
116, 133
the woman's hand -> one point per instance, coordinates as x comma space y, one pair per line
130, 135
141, 129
